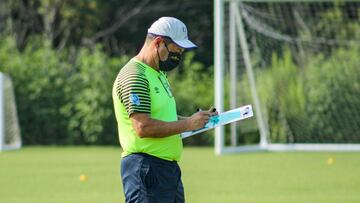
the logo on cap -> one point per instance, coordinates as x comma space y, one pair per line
184, 29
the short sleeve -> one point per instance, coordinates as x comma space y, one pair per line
133, 91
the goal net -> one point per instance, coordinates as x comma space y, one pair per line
298, 63
9, 125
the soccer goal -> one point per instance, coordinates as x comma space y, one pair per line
297, 63
9, 125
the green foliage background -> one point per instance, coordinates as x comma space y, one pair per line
315, 103
65, 98
62, 98
63, 57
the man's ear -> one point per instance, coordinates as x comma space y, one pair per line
157, 41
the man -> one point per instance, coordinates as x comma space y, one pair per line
148, 123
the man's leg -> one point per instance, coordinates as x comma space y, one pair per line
180, 197
169, 188
151, 180
133, 170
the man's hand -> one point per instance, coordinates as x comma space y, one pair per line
213, 111
198, 120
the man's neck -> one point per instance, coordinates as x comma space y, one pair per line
146, 58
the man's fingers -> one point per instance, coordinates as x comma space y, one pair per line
213, 111
205, 114
204, 123
201, 118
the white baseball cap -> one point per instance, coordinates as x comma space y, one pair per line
174, 29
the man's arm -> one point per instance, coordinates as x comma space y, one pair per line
147, 127
182, 117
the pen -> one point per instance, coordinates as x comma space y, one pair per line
212, 109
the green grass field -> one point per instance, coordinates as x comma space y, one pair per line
51, 175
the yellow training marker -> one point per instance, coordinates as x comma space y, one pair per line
83, 177
330, 161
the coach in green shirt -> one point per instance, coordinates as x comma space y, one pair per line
148, 123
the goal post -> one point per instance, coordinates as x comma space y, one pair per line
9, 124
219, 70
296, 63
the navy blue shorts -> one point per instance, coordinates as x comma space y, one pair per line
150, 179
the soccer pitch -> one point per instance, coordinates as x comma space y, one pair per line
51, 175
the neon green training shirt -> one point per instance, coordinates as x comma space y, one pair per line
140, 88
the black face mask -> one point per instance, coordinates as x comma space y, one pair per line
171, 62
